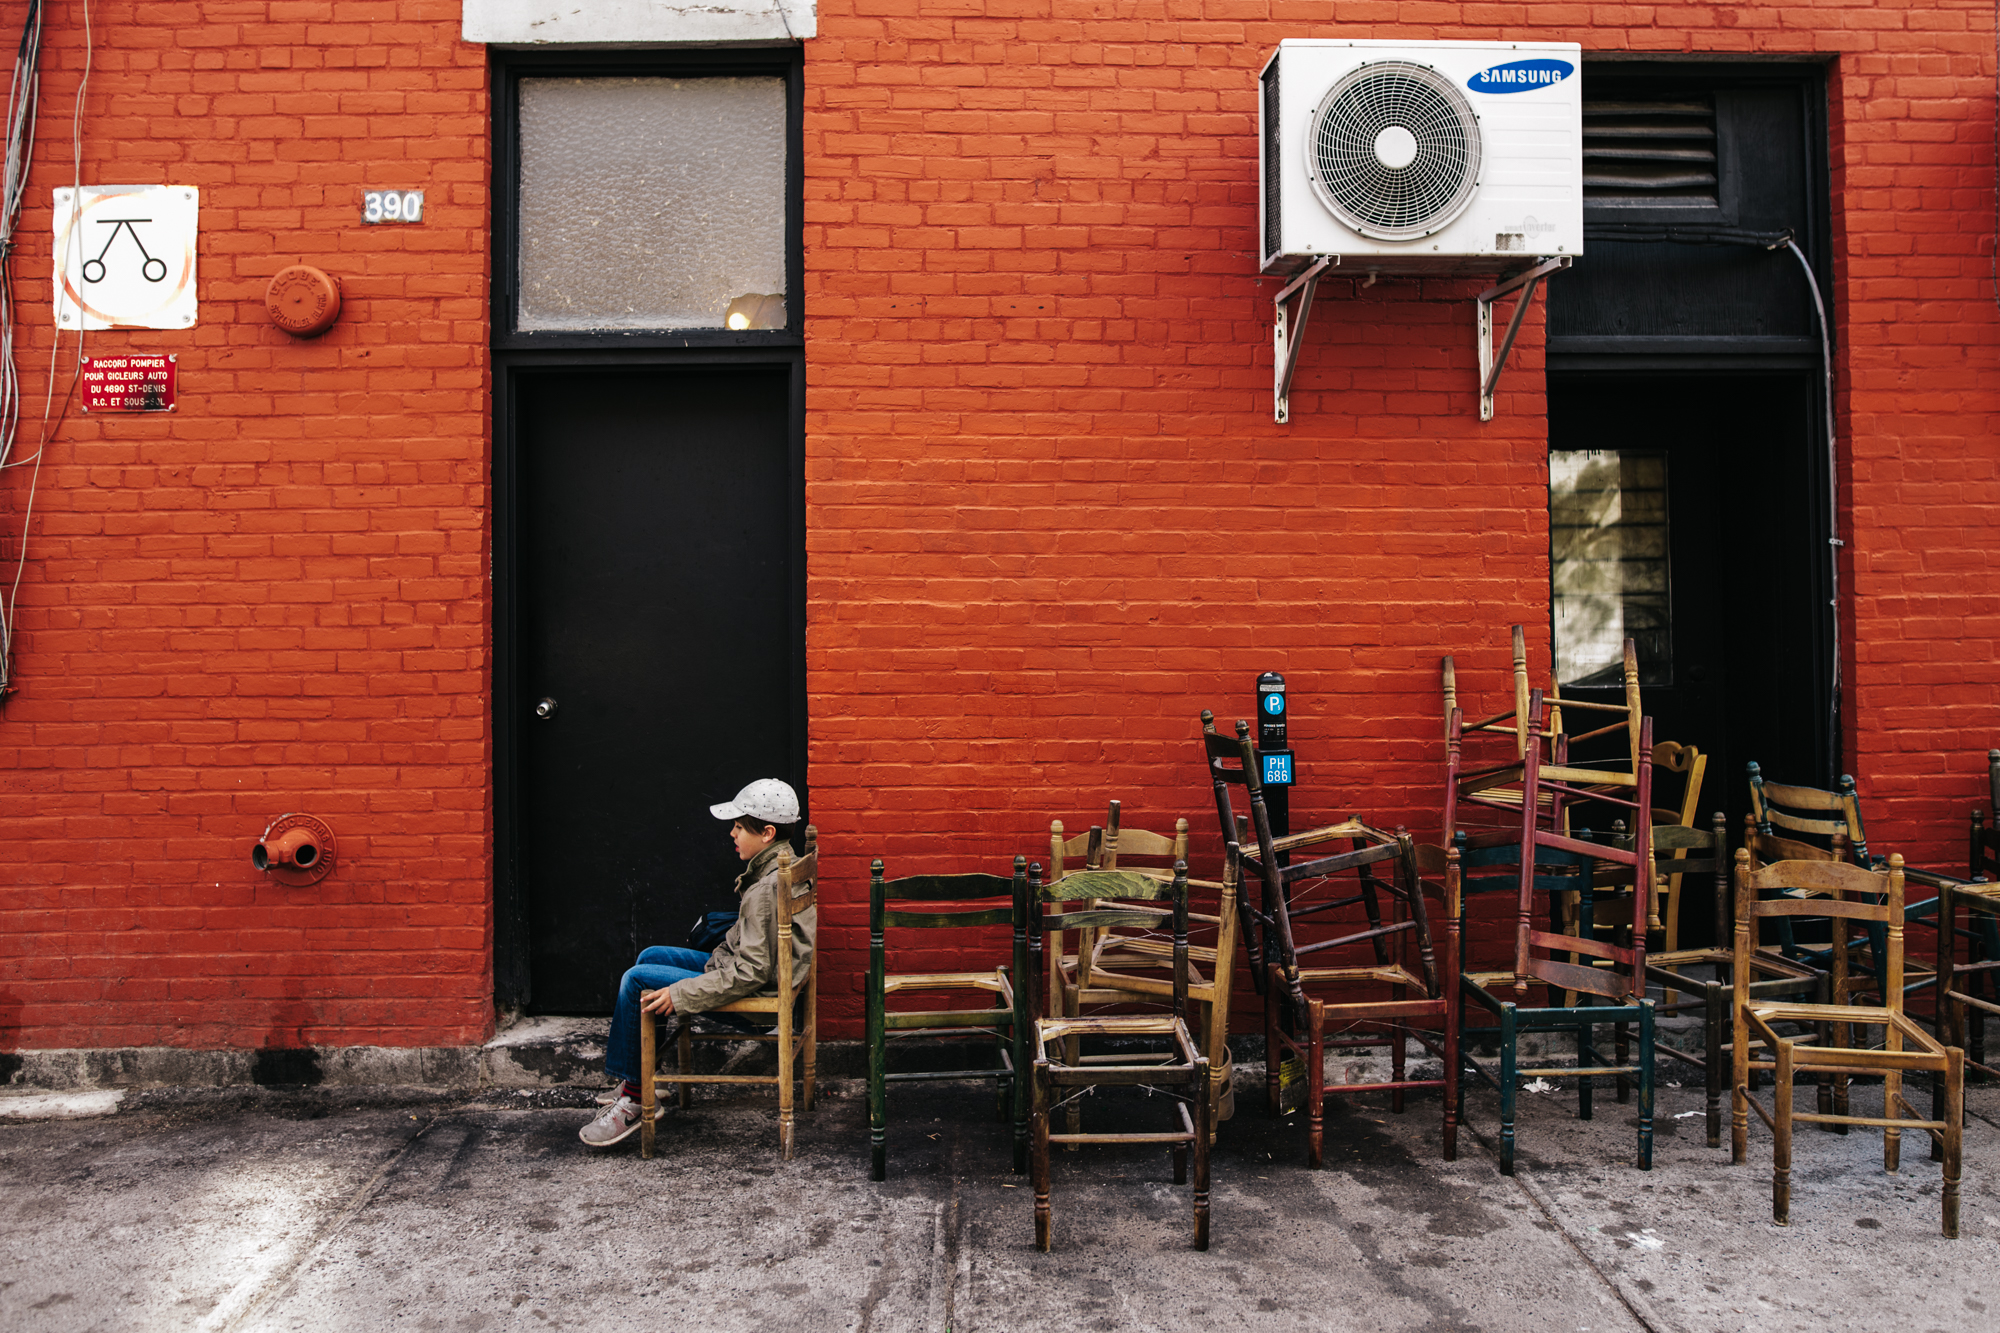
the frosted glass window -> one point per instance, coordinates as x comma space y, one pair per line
652, 203
1608, 564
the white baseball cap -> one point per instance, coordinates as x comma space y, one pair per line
767, 799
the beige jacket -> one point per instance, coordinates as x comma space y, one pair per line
746, 962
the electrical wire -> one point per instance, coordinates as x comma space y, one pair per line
1773, 241
20, 139
13, 181
1832, 504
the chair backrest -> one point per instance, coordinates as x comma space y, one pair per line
1515, 720
945, 902
1441, 873
1105, 891
1220, 753
1777, 809
1673, 757
1103, 844
1679, 849
1872, 897
798, 892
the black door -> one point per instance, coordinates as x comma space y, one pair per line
654, 568
1732, 658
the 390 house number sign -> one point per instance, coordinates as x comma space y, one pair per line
134, 382
392, 206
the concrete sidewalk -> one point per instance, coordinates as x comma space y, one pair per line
364, 1209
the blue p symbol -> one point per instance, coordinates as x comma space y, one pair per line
1274, 703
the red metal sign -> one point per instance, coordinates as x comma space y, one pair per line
134, 382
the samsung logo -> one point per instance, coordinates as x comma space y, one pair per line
1520, 76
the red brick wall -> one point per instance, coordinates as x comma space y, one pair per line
1050, 518
274, 599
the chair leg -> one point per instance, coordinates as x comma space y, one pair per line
785, 1113
1202, 1124
1453, 1088
1585, 1085
1823, 992
1399, 1034
1892, 1138
1648, 1036
1022, 1068
685, 1091
1622, 1048
1842, 1036
1315, 1082
648, 1087
1781, 1138
1509, 1060
1712, 1020
1954, 1135
1044, 1224
812, 1046
878, 1111
1073, 1055
1273, 1053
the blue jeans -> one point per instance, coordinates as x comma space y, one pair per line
661, 965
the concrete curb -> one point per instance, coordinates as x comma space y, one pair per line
530, 1053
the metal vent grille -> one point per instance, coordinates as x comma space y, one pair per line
1272, 198
1648, 152
1394, 150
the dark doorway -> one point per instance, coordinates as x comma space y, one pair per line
654, 560
649, 493
1685, 348
1731, 658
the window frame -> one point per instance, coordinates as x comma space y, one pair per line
510, 67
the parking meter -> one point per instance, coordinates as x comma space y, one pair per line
1274, 751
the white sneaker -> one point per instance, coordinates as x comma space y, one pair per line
620, 1121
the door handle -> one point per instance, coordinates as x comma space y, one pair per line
546, 709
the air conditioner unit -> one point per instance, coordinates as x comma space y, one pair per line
1420, 157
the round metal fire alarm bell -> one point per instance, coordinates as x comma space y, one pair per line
303, 301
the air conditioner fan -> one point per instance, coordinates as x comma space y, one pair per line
1393, 150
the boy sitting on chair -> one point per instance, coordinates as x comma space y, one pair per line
688, 981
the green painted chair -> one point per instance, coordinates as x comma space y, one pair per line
953, 912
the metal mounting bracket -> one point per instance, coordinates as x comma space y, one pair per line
1490, 363
1289, 333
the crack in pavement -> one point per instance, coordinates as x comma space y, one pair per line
259, 1292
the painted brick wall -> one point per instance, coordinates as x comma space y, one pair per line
274, 599
1050, 516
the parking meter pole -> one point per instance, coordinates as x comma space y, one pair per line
1274, 745
1274, 759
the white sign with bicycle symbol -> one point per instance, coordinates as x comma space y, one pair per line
124, 256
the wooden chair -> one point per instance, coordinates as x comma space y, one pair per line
948, 903
1267, 933
1846, 893
1698, 852
792, 1005
1124, 901
1422, 990
1111, 967
1294, 890
1962, 1009
1787, 822
1611, 992
1492, 779
1665, 920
